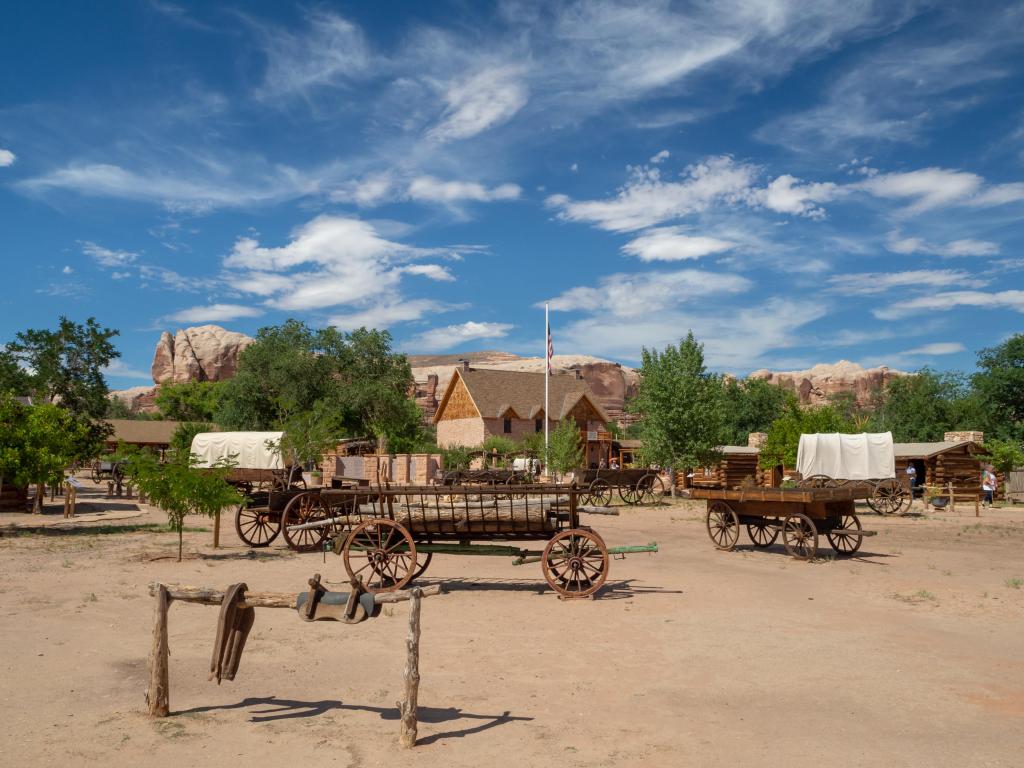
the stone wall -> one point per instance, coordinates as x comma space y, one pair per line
958, 437
453, 432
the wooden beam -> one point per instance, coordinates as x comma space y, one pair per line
158, 692
407, 708
211, 596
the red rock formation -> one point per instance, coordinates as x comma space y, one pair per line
205, 353
815, 385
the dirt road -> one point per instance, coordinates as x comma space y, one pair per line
910, 655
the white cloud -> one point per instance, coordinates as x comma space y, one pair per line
896, 243
575, 167
646, 200
671, 244
937, 348
432, 271
867, 283
926, 189
486, 99
121, 369
428, 189
786, 194
107, 257
660, 157
7, 158
638, 295
946, 301
67, 270
999, 194
386, 314
213, 313
451, 336
120, 275
374, 189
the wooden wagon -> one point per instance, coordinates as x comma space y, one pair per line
634, 486
799, 514
387, 536
259, 473
106, 469
509, 479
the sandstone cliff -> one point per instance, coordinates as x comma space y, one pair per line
205, 353
815, 385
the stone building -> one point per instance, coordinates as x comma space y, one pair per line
479, 403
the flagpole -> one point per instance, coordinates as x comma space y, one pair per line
547, 374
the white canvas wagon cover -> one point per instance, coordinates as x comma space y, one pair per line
249, 449
865, 456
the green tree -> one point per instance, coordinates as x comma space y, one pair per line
180, 488
66, 365
504, 446
783, 439
456, 457
181, 440
921, 407
681, 407
190, 401
749, 406
1004, 455
565, 447
13, 378
1000, 384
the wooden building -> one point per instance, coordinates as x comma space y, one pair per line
737, 467
480, 403
942, 463
142, 433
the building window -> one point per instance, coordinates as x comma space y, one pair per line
538, 425
508, 426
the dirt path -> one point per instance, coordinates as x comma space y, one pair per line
911, 655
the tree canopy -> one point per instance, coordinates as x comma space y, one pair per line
681, 406
749, 406
783, 439
190, 401
999, 384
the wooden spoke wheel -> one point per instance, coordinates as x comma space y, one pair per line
799, 536
575, 563
422, 559
817, 481
95, 475
723, 526
630, 493
256, 526
305, 508
382, 553
651, 488
888, 498
762, 534
845, 543
513, 493
599, 494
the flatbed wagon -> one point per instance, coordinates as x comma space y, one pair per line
634, 486
387, 536
799, 514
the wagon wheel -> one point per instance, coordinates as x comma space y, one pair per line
651, 488
256, 526
723, 526
817, 481
513, 481
422, 558
762, 534
117, 473
599, 493
95, 475
630, 493
575, 563
799, 536
844, 543
385, 548
888, 497
305, 508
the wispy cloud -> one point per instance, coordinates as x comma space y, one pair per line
213, 313
869, 283
480, 102
673, 244
949, 300
451, 336
896, 243
107, 257
7, 158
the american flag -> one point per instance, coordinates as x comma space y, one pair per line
551, 348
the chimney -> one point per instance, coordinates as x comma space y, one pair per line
465, 365
579, 374
432, 384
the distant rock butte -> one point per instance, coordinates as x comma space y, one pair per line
205, 353
611, 383
815, 385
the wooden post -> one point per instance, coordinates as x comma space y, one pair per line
407, 708
952, 499
67, 501
216, 529
158, 693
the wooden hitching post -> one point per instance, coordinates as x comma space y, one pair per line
216, 530
158, 694
407, 708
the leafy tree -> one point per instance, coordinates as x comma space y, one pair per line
117, 409
750, 406
1004, 455
191, 401
565, 448
784, 434
921, 407
66, 365
1000, 384
13, 378
180, 488
181, 440
681, 407
37, 443
321, 385
456, 457
504, 447
532, 444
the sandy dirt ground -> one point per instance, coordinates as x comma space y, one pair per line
911, 654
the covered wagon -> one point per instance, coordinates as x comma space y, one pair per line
259, 471
865, 463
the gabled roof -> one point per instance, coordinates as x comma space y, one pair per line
925, 450
142, 431
494, 392
738, 449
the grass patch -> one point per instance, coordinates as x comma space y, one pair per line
99, 530
921, 596
1015, 583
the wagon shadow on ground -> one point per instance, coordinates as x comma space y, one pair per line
288, 709
825, 554
612, 590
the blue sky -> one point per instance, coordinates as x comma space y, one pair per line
796, 182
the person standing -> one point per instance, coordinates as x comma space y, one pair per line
988, 485
912, 474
